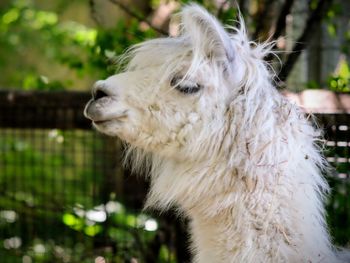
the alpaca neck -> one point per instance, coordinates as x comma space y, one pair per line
237, 218
259, 221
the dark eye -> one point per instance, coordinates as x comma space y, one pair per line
185, 86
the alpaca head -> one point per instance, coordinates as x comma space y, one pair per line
174, 95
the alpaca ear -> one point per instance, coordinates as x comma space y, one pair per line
206, 33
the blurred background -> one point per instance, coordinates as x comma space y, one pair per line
64, 196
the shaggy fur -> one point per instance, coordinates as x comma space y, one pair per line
230, 152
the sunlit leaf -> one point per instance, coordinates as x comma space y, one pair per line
11, 16
92, 230
131, 220
69, 219
73, 221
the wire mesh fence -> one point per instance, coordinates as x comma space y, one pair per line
337, 151
65, 198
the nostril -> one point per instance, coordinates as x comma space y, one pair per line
100, 94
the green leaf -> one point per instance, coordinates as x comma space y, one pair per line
69, 219
92, 230
11, 16
72, 221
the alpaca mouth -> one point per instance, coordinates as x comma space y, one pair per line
119, 118
100, 123
101, 115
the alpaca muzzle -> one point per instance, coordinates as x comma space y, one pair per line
103, 108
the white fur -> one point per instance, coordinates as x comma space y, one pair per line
236, 157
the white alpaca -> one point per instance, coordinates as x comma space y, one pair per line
199, 110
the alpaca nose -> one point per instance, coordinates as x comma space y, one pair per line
100, 94
99, 90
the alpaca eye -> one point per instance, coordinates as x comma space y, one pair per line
185, 86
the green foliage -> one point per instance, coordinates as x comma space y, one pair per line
26, 31
313, 85
227, 16
334, 12
52, 182
112, 42
33, 37
340, 82
37, 38
338, 209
